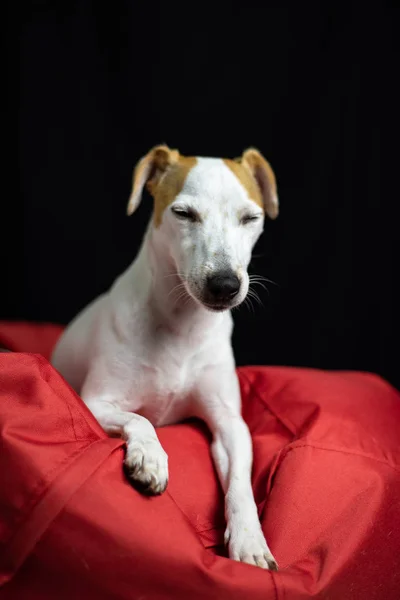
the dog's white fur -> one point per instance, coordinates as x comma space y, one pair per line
152, 351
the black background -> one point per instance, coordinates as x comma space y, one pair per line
94, 85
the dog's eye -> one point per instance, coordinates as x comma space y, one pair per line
185, 214
249, 219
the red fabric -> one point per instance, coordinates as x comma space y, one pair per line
30, 337
326, 480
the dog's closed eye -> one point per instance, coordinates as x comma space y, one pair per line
250, 218
185, 214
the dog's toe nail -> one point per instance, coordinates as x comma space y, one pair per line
147, 468
272, 564
249, 546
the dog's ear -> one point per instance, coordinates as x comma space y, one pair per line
262, 172
148, 171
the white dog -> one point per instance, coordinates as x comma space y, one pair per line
156, 349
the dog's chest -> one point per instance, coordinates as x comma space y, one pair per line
164, 378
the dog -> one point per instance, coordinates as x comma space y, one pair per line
156, 348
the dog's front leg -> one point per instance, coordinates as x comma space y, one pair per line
146, 462
219, 406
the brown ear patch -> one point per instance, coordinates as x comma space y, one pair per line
169, 184
264, 176
150, 167
246, 179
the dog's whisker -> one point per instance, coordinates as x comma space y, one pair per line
250, 304
257, 276
253, 294
177, 287
256, 297
254, 278
187, 300
174, 275
182, 295
262, 285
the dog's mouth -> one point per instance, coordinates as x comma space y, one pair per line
217, 307
211, 304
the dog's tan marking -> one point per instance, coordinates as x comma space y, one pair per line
166, 188
163, 171
246, 179
257, 177
263, 174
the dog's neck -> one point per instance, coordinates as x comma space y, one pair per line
167, 295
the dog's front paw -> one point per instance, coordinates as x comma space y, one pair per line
146, 464
248, 545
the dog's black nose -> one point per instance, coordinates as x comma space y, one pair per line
223, 285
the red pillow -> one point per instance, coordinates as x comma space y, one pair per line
326, 480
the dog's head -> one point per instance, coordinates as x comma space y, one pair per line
210, 213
